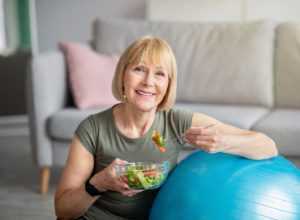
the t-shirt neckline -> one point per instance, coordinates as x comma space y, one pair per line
142, 138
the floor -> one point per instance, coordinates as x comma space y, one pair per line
19, 179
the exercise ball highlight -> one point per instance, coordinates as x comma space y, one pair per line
222, 186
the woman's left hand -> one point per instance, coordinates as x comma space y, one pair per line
207, 139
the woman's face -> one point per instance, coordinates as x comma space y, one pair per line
145, 85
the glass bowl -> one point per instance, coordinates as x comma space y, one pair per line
144, 175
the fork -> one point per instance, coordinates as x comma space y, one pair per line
182, 140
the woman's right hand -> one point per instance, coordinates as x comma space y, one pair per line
107, 179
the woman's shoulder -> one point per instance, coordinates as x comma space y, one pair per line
175, 112
95, 118
102, 114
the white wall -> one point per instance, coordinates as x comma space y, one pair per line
194, 10
223, 10
11, 23
278, 10
72, 19
2, 29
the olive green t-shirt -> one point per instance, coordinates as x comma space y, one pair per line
99, 134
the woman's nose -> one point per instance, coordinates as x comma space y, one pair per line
149, 79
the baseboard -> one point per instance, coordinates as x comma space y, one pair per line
14, 125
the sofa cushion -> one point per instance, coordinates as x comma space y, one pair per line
283, 125
240, 116
224, 63
90, 75
60, 151
287, 65
62, 124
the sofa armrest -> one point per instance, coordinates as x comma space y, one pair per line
47, 92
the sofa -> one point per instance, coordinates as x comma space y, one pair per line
245, 74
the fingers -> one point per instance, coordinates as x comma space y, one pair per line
210, 148
118, 161
122, 183
130, 192
127, 191
199, 130
112, 181
123, 179
198, 134
124, 189
108, 179
207, 139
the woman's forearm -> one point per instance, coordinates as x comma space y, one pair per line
226, 138
73, 203
254, 145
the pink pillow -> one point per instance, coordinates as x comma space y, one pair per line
90, 75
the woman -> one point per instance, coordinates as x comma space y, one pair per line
145, 84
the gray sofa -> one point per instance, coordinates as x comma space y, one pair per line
245, 74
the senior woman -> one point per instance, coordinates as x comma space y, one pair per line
145, 84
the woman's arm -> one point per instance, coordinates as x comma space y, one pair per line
229, 139
71, 199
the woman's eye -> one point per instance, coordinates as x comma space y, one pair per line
139, 69
160, 74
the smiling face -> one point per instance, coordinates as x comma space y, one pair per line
145, 85
146, 73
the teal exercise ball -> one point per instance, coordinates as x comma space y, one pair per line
221, 186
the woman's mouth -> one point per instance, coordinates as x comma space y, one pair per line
144, 93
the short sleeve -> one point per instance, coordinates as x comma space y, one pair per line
86, 133
180, 120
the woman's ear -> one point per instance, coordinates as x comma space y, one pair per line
123, 92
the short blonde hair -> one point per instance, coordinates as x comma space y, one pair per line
155, 50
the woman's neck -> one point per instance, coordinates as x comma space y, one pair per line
131, 122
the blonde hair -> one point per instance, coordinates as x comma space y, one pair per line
155, 50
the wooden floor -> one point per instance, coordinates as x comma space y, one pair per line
19, 179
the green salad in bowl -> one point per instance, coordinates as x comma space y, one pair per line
144, 175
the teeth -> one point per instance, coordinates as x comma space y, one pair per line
144, 93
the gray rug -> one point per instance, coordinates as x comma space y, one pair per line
19, 183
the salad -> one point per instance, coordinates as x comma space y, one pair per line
159, 141
144, 175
